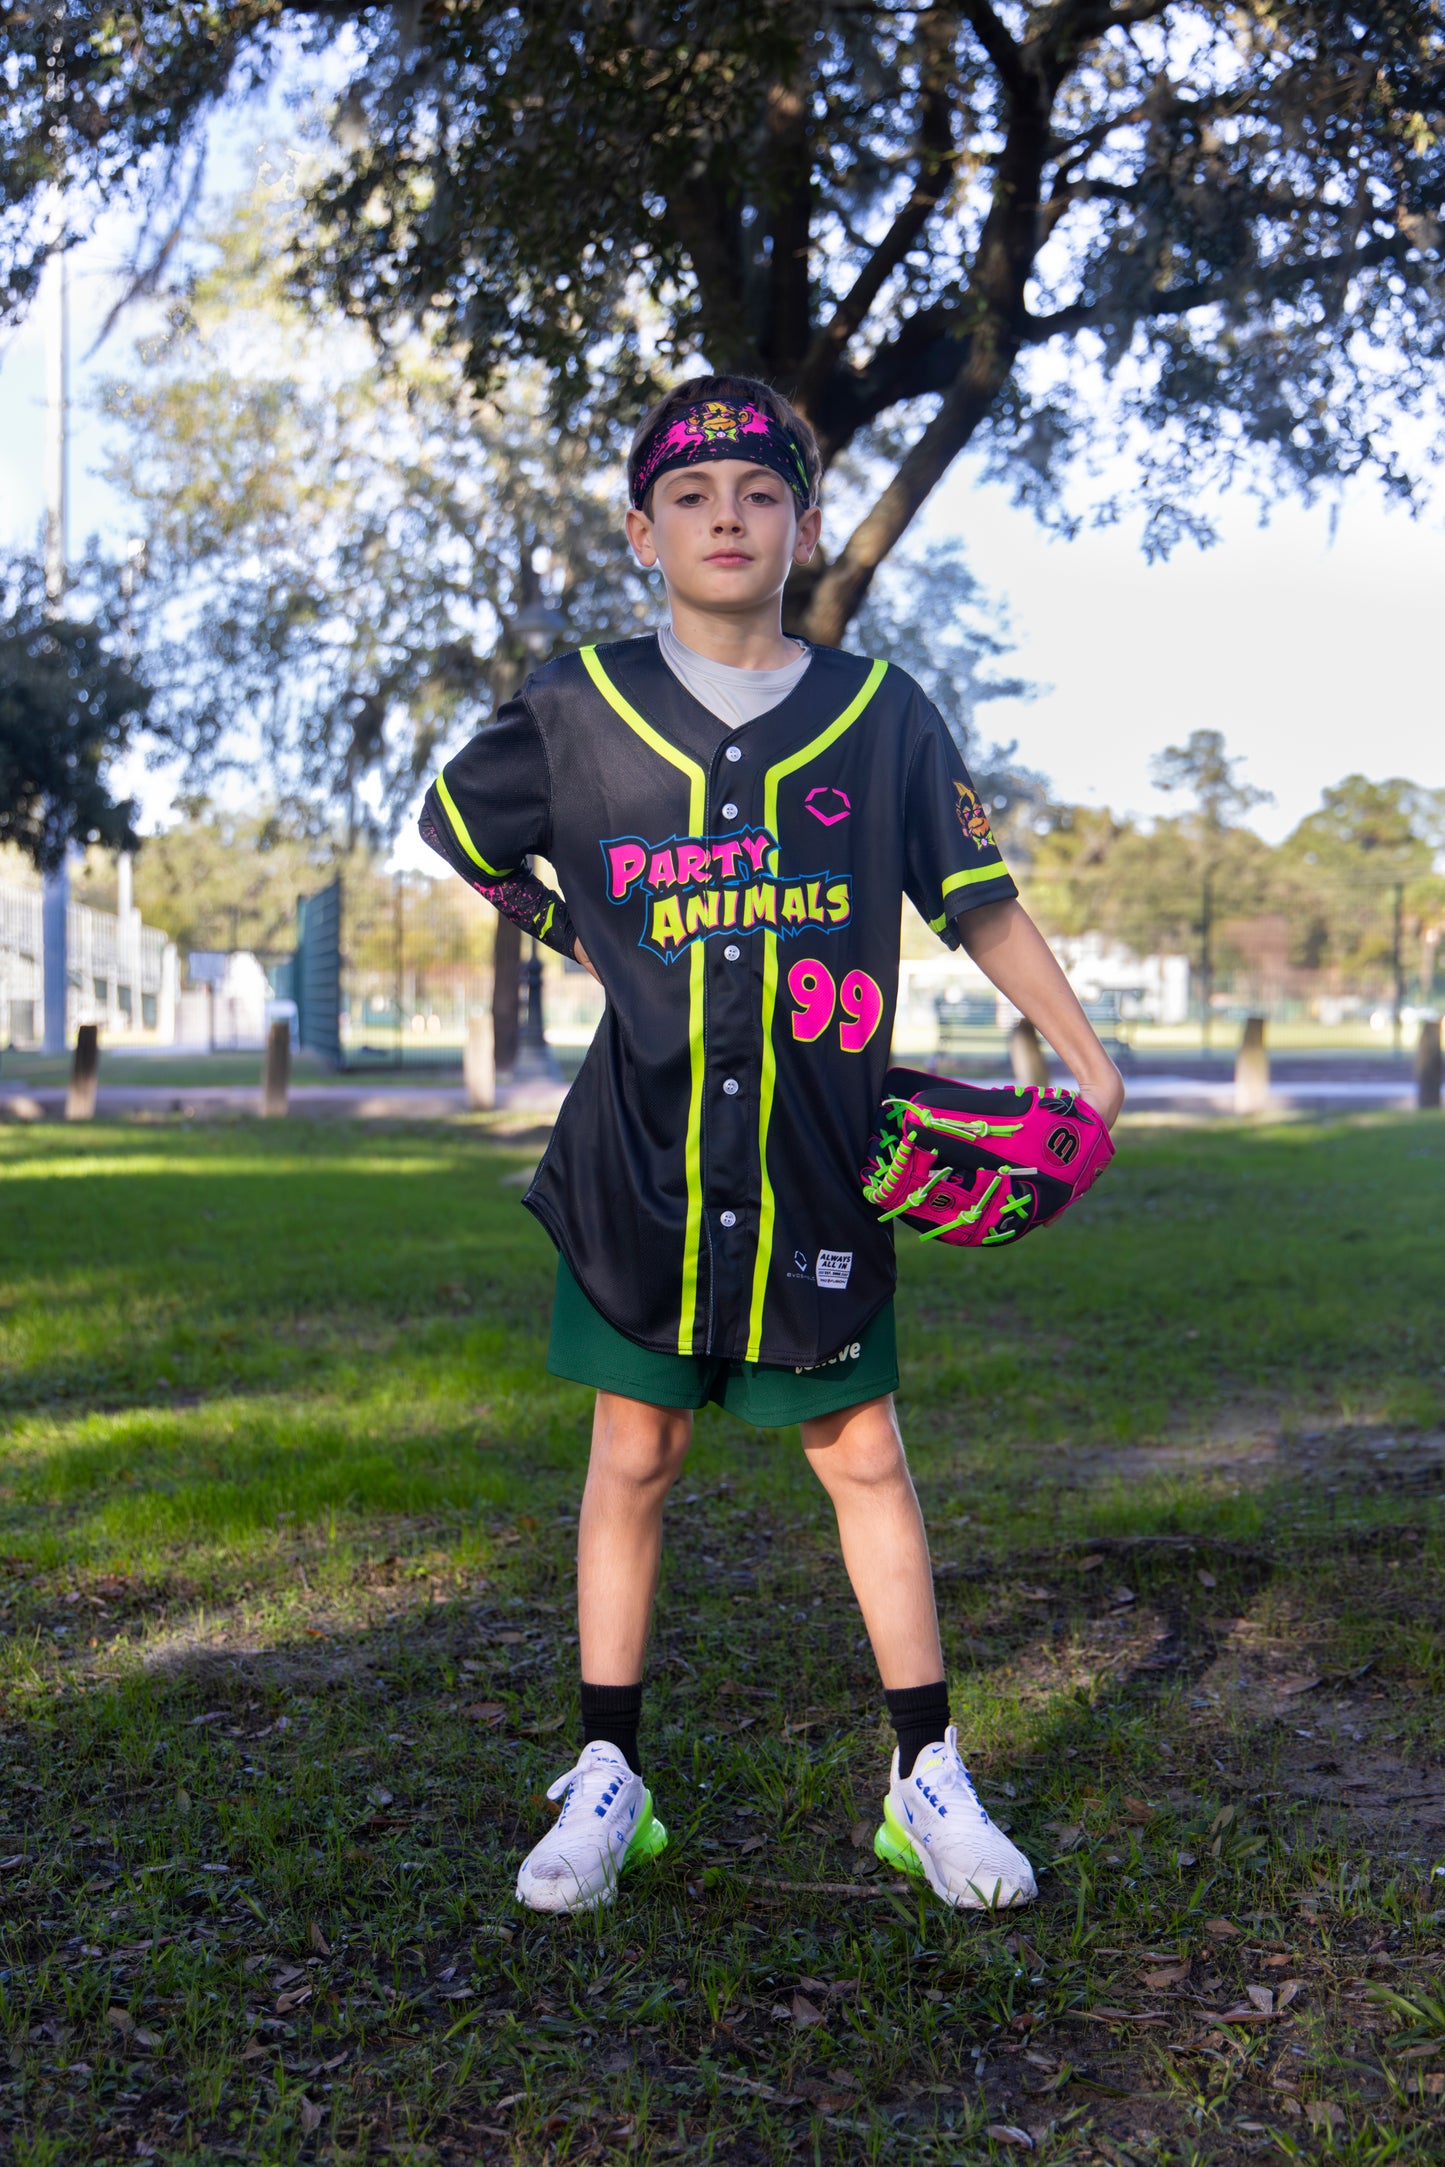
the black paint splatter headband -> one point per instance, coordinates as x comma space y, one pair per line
717, 429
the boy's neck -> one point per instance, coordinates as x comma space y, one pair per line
752, 640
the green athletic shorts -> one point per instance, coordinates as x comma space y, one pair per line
589, 1350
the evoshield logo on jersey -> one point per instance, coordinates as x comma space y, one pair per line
695, 886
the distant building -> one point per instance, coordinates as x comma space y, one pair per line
119, 973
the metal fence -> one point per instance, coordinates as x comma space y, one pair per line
119, 973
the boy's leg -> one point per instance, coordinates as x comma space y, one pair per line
607, 1818
857, 1455
637, 1454
933, 1822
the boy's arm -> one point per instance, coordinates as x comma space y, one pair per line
1010, 950
520, 896
488, 811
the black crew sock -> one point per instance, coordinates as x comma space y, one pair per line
919, 1714
609, 1716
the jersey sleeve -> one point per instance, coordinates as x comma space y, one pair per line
488, 810
952, 863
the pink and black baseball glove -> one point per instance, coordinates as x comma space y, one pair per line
976, 1165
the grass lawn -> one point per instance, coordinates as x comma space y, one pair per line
287, 1511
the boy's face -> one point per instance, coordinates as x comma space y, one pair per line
726, 535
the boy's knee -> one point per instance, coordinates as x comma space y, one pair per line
866, 1454
641, 1445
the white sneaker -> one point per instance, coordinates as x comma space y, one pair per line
606, 1823
934, 1826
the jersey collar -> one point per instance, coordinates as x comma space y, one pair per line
829, 682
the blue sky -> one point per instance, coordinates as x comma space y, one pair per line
1315, 655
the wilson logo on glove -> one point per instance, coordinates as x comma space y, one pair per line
976, 1166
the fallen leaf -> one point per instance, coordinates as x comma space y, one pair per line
120, 2020
1036, 1595
805, 2012
1121, 1595
780, 2009
257, 2050
1287, 1688
1168, 1975
1206, 1580
1324, 2114
862, 1835
1092, 1562
8, 1865
183, 1801
1068, 1833
1287, 1993
318, 1940
751, 1844
485, 1711
311, 2115
1139, 1809
510, 1640
1262, 1998
551, 1723
379, 1795
1277, 1963
1010, 2133
285, 2002
1223, 1929
148, 2040
1186, 1858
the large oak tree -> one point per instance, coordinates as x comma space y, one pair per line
931, 225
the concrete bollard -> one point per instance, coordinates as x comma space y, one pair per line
276, 1083
479, 1067
1026, 1055
84, 1074
1251, 1069
1427, 1065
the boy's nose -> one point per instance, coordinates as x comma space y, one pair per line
726, 521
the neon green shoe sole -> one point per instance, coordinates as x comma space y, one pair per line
648, 1838
894, 1845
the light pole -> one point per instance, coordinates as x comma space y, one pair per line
538, 626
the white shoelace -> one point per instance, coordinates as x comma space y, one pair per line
585, 1783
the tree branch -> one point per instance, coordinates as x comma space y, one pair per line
999, 43
935, 130
1274, 283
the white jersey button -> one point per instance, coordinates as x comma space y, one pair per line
734, 752
729, 1218
732, 951
730, 812
730, 1085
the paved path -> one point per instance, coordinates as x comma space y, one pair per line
1199, 1085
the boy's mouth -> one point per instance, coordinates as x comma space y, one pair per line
729, 556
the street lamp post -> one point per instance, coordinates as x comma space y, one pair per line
538, 626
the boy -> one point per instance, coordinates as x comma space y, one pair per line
735, 817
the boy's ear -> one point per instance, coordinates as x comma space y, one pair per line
639, 534
810, 526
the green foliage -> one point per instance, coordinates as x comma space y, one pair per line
337, 551
931, 217
68, 708
1324, 898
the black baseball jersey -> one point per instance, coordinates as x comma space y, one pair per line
739, 891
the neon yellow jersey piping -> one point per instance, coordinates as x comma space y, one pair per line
697, 812
459, 826
767, 1207
966, 879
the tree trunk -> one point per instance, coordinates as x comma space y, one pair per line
506, 981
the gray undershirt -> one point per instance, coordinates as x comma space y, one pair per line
731, 694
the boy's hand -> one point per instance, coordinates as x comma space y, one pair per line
588, 965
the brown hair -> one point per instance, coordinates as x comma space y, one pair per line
744, 389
